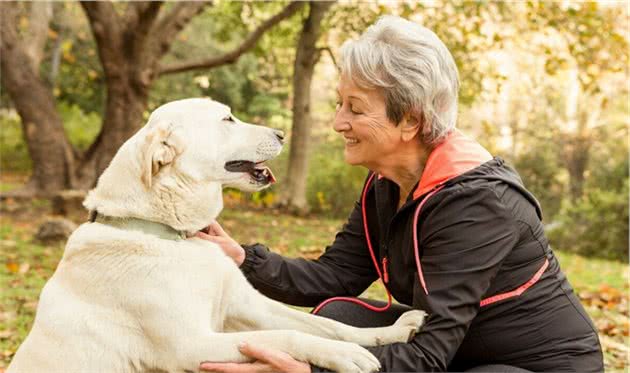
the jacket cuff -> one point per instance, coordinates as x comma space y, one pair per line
254, 254
316, 369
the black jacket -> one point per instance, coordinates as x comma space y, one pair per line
480, 236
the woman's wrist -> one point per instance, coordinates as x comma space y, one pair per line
240, 257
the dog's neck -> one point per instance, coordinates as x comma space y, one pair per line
160, 230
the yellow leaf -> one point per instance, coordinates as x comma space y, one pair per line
23, 22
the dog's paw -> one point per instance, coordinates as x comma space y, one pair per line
411, 322
347, 357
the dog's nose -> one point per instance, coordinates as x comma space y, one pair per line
280, 135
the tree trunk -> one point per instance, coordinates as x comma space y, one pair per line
576, 160
48, 146
41, 13
305, 59
123, 116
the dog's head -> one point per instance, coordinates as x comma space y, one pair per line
201, 138
174, 168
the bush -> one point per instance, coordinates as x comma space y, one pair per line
595, 226
542, 174
333, 186
81, 129
13, 151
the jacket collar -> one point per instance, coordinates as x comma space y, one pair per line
456, 155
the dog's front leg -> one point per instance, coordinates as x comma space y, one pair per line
335, 355
256, 312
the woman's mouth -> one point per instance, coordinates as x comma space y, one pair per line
351, 141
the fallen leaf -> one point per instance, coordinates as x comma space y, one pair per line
24, 268
13, 267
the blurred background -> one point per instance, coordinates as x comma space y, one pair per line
544, 85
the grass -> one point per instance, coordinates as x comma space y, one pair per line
27, 265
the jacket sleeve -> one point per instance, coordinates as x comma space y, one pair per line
464, 240
345, 269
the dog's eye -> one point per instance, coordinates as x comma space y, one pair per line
229, 118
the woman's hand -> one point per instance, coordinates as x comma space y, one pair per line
230, 247
267, 361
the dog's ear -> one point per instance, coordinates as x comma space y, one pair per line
158, 149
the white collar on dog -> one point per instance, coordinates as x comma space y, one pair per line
134, 224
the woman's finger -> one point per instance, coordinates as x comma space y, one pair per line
235, 367
216, 228
258, 353
208, 237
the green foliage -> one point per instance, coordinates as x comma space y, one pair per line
542, 175
595, 226
13, 151
79, 79
257, 85
333, 186
81, 128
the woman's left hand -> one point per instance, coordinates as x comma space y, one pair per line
267, 361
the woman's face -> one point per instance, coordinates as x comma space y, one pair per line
371, 138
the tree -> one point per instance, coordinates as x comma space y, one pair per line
593, 59
48, 146
306, 57
131, 40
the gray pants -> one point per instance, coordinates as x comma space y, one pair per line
358, 316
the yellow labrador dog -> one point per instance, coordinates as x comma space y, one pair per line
132, 293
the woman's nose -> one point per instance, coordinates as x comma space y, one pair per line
341, 122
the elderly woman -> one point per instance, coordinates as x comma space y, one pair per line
448, 228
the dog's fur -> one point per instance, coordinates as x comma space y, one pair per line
124, 301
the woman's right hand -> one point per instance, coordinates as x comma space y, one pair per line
217, 235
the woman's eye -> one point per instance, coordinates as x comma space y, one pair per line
337, 105
354, 111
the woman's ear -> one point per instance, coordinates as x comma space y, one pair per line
410, 126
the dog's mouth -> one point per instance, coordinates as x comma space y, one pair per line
256, 170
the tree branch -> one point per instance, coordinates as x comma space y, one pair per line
233, 55
330, 54
106, 27
171, 24
141, 14
41, 13
103, 19
140, 18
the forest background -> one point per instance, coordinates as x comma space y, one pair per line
544, 85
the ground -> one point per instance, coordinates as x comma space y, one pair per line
602, 285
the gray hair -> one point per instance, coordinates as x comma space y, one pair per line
414, 70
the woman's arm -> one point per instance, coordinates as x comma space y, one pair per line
345, 269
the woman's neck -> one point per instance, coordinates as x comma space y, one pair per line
406, 169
